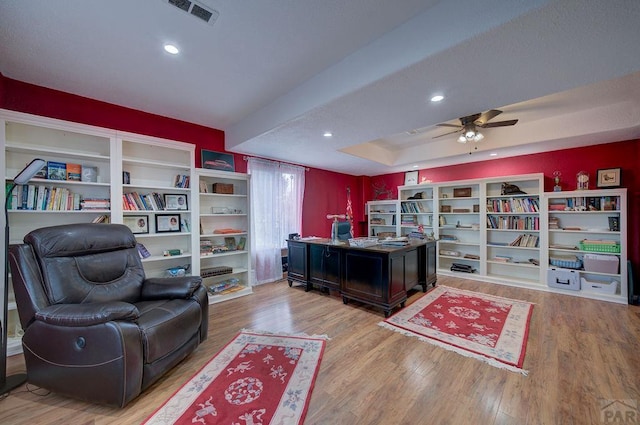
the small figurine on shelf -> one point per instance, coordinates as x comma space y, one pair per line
583, 180
556, 180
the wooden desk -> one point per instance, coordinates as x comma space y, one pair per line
379, 275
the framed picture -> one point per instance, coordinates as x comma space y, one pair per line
175, 202
217, 160
230, 243
609, 177
137, 223
168, 223
410, 177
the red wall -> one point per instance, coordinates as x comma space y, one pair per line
569, 162
325, 191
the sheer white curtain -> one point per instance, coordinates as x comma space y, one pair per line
277, 192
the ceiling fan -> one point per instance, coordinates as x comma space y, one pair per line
468, 125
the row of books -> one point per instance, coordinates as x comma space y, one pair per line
409, 220
513, 223
54, 170
590, 203
134, 201
526, 240
43, 198
412, 207
517, 205
182, 180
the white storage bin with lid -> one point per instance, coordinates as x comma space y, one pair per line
563, 279
601, 263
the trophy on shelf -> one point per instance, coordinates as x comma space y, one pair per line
556, 179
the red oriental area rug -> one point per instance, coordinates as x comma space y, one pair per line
256, 379
486, 327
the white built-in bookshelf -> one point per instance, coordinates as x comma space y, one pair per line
223, 242
143, 182
511, 238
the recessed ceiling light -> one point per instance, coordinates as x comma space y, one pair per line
328, 134
415, 166
437, 98
493, 154
170, 48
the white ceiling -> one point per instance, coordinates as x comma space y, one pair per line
276, 74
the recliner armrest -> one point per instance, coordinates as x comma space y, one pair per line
87, 314
162, 288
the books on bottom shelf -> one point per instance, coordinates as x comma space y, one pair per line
143, 251
225, 286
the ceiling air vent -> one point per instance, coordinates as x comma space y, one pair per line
196, 9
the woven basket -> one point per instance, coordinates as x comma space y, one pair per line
594, 247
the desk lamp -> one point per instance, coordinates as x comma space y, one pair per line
8, 383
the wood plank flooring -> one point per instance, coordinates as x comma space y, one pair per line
579, 352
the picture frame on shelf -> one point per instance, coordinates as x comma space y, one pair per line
609, 177
138, 224
230, 243
168, 223
212, 160
410, 178
176, 202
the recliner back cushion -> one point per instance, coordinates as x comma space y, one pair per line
88, 262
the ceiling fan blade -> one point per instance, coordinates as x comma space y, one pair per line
486, 116
446, 134
498, 124
449, 125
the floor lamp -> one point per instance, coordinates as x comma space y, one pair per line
8, 383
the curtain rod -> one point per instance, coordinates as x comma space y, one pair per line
246, 158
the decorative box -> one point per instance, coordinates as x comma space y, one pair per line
224, 188
462, 192
445, 208
563, 279
601, 263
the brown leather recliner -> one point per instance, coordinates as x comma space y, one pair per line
94, 327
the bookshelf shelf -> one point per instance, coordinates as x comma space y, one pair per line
54, 151
155, 163
595, 216
233, 218
384, 218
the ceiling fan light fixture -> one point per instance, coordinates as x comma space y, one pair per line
462, 139
479, 136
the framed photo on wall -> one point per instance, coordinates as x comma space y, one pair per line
175, 202
217, 160
410, 177
168, 223
609, 177
137, 223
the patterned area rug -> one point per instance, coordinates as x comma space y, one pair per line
257, 378
486, 327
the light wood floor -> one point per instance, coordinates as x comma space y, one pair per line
579, 352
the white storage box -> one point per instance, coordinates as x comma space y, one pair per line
601, 263
601, 287
563, 279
